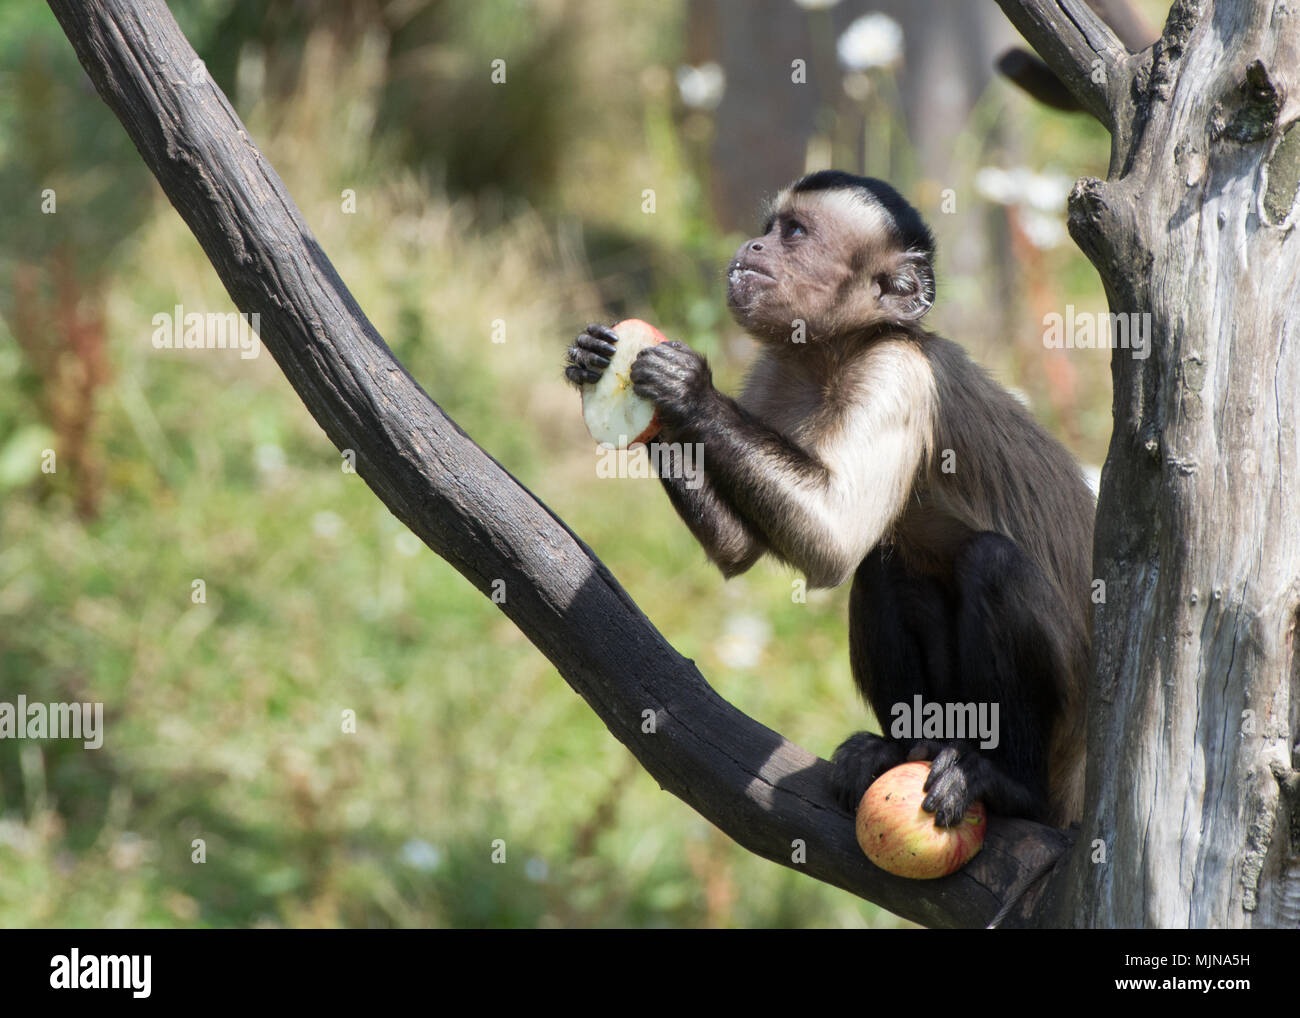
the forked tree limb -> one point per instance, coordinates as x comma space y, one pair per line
1128, 23
764, 791
1082, 50
1028, 71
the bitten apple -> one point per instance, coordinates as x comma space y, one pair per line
901, 838
615, 415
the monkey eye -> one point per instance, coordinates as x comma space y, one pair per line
791, 229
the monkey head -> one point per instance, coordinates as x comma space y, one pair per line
838, 253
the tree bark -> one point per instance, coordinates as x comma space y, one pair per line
768, 794
1192, 817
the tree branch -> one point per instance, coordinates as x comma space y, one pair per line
1127, 22
1071, 39
762, 790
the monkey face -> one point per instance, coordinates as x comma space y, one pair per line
829, 262
774, 282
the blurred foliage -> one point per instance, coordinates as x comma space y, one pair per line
474, 203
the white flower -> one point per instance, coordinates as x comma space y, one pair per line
1045, 192
743, 639
326, 525
1044, 231
701, 87
995, 184
269, 459
407, 544
420, 855
536, 870
1039, 196
873, 40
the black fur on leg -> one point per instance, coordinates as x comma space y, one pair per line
1013, 657
976, 636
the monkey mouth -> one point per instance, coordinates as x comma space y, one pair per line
744, 284
736, 272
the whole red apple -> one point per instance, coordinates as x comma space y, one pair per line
901, 838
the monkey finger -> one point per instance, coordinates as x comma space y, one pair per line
665, 361
948, 809
944, 761
645, 369
674, 352
595, 344
651, 373
579, 375
948, 803
648, 390
602, 332
658, 389
948, 788
589, 359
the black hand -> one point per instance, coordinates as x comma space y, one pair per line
676, 379
949, 788
589, 356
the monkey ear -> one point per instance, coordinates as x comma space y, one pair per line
907, 290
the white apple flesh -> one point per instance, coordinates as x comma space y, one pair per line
616, 416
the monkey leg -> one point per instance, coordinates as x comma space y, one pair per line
1010, 656
987, 637
900, 644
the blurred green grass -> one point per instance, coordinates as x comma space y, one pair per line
224, 718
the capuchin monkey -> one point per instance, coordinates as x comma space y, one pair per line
864, 446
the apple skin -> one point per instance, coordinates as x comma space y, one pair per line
608, 404
901, 838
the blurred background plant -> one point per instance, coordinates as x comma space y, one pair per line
612, 173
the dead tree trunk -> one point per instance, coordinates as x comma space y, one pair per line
1194, 718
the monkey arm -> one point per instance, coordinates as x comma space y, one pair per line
730, 542
821, 512
822, 509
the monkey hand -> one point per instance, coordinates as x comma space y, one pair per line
959, 776
948, 784
589, 356
676, 379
